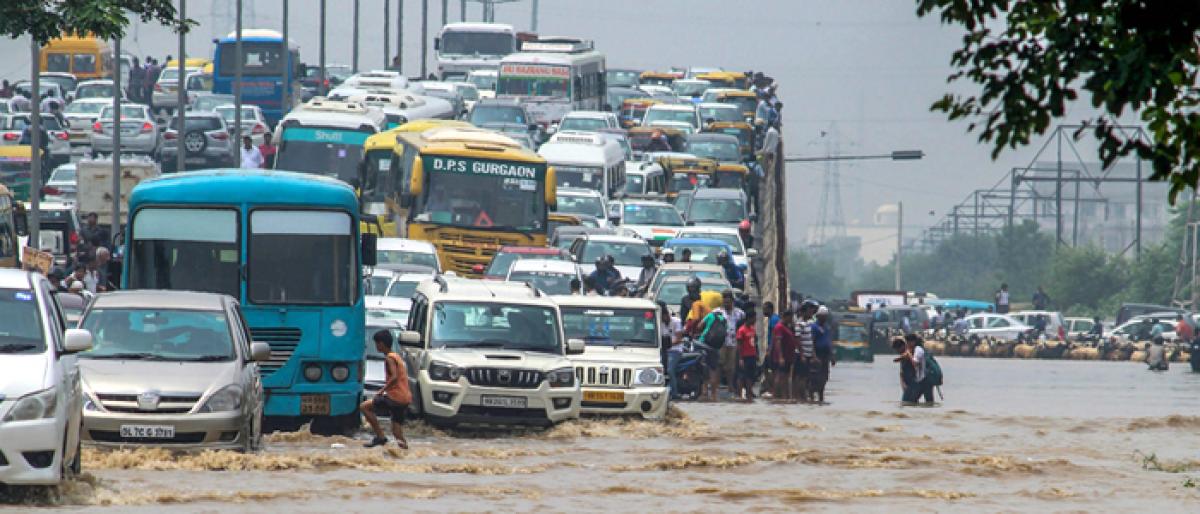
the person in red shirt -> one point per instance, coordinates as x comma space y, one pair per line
783, 354
1184, 331
267, 149
395, 396
747, 363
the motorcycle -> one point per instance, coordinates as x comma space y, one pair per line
691, 370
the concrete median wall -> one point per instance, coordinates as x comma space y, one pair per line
772, 222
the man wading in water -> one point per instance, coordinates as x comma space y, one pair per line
395, 396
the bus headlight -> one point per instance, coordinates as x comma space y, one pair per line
337, 328
444, 371
312, 372
340, 373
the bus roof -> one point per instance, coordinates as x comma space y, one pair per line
332, 113
257, 35
601, 151
387, 138
238, 186
550, 58
477, 27
470, 142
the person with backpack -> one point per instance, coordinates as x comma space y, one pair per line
923, 386
714, 332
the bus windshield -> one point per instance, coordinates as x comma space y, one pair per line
534, 80
325, 276
262, 58
585, 177
185, 249
332, 152
481, 194
477, 43
378, 165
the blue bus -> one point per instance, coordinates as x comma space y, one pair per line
287, 246
266, 70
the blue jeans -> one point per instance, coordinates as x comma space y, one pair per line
672, 373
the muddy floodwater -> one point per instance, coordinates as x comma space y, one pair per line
1010, 435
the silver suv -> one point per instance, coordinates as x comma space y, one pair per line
206, 142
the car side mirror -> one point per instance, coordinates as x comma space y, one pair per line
369, 247
575, 346
77, 340
260, 352
410, 338
534, 127
751, 252
615, 220
691, 223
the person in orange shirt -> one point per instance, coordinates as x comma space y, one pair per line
395, 396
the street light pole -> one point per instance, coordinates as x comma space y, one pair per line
899, 239
896, 155
35, 139
424, 35
237, 84
354, 57
181, 92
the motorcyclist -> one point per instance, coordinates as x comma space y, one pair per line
658, 142
605, 275
746, 235
692, 296
732, 273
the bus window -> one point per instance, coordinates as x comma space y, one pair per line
262, 59
58, 63
185, 249
327, 277
83, 63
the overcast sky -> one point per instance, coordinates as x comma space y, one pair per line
865, 71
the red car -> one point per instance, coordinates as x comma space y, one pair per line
504, 259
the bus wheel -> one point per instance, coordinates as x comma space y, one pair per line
344, 425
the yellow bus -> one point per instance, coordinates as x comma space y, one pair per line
85, 57
377, 172
471, 191
12, 219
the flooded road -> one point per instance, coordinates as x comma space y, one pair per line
1010, 436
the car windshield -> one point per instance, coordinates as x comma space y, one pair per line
706, 254
185, 249
718, 210
84, 108
720, 114
723, 151
622, 78
94, 91
502, 261
549, 282
20, 322
582, 123
477, 43
581, 204
403, 288
483, 81
132, 112
328, 275
616, 327
733, 240
495, 325
663, 215
534, 80
407, 257
210, 102
482, 114
623, 253
392, 317
248, 113
158, 334
653, 115
702, 275
688, 181
63, 173
483, 194
376, 284
682, 88
671, 292
633, 184
852, 333
585, 177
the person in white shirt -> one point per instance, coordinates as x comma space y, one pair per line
251, 157
922, 387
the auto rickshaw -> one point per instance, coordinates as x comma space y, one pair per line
633, 110
741, 130
746, 100
639, 139
850, 337
730, 176
658, 78
685, 173
731, 79
16, 170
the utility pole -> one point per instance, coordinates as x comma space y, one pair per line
237, 83
387, 37
116, 154
534, 16
35, 139
400, 36
899, 239
354, 53
462, 10
323, 88
445, 12
284, 106
181, 90
424, 35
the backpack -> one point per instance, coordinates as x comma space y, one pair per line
933, 370
714, 338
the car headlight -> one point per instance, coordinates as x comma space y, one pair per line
312, 372
340, 372
227, 399
90, 403
649, 376
562, 377
444, 371
35, 405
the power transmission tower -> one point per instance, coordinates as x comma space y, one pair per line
831, 220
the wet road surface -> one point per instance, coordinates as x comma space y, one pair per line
1009, 436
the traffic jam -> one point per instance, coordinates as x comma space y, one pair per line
532, 237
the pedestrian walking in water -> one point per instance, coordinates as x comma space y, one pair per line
747, 364
818, 371
784, 347
916, 353
1156, 355
908, 372
806, 352
393, 399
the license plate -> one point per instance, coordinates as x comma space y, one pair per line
147, 432
194, 160
507, 402
604, 396
314, 405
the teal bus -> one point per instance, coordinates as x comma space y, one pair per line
287, 245
325, 137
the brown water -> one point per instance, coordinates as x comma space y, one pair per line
1010, 435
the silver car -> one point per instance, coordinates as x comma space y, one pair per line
203, 102
13, 128
81, 118
206, 141
139, 130
171, 368
165, 95
254, 124
62, 186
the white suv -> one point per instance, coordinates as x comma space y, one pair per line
489, 353
621, 371
40, 398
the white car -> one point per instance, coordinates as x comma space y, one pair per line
729, 236
396, 251
400, 290
1139, 328
41, 401
388, 310
578, 200
81, 115
254, 124
1056, 326
685, 113
997, 326
588, 121
550, 277
656, 222
626, 252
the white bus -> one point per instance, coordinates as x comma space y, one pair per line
553, 77
325, 137
465, 47
587, 160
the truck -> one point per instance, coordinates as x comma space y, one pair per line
466, 47
95, 184
875, 299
